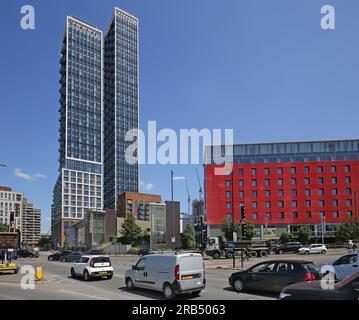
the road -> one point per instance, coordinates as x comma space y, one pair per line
58, 285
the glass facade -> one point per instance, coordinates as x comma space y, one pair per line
120, 105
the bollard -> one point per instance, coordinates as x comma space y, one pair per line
39, 273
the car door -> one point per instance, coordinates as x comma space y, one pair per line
259, 277
140, 278
346, 266
282, 276
79, 267
313, 248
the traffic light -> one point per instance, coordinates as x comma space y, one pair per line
204, 236
12, 217
244, 230
243, 213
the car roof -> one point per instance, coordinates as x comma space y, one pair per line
94, 255
288, 261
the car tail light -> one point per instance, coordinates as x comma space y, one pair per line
177, 272
310, 276
92, 264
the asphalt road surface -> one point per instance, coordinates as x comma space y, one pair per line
58, 285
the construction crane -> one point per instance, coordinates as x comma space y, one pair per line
188, 197
200, 186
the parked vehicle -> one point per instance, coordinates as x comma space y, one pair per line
92, 266
25, 253
347, 289
351, 245
274, 275
169, 273
289, 247
346, 265
58, 254
314, 248
145, 252
71, 257
217, 248
95, 252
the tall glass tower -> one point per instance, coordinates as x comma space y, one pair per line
121, 104
79, 185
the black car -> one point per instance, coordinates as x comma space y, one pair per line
289, 247
347, 289
71, 257
57, 255
145, 252
95, 252
274, 275
25, 253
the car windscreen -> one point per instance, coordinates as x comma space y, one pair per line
191, 263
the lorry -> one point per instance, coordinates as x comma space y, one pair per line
217, 248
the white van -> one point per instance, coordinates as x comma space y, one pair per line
170, 273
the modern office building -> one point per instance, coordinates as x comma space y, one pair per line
79, 185
31, 225
285, 185
11, 204
121, 105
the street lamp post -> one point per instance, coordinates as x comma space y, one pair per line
323, 228
173, 214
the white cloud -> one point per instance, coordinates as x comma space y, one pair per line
147, 186
179, 178
26, 176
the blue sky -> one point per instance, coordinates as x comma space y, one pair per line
262, 67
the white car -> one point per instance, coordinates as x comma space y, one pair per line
92, 266
313, 248
346, 265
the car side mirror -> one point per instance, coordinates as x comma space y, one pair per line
355, 286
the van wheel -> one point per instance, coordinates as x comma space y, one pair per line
86, 276
73, 274
168, 291
196, 293
129, 284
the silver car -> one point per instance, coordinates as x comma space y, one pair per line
169, 273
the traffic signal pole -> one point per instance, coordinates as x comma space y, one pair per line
243, 215
233, 223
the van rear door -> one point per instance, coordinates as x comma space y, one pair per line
191, 272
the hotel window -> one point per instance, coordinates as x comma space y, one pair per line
320, 180
229, 216
254, 183
308, 215
254, 171
306, 181
267, 204
228, 194
281, 215
281, 204
268, 216
307, 192
335, 214
295, 215
335, 203
293, 170
347, 180
321, 203
267, 193
334, 192
228, 183
348, 191
306, 169
241, 204
333, 169
347, 168
240, 172
334, 180
280, 182
280, 193
228, 205
294, 203
349, 202
241, 183
322, 214
320, 169
349, 214
293, 181
255, 216
294, 192
241, 194
280, 170
266, 171
321, 192
267, 182
254, 204
307, 203
254, 193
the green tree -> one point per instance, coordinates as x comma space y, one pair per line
285, 237
348, 231
4, 228
44, 242
188, 238
131, 232
227, 229
250, 230
304, 234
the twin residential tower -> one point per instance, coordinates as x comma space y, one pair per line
99, 104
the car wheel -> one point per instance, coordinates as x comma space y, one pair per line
168, 291
216, 255
16, 270
229, 255
238, 285
73, 274
51, 259
109, 277
306, 252
196, 293
86, 276
62, 260
129, 284
280, 251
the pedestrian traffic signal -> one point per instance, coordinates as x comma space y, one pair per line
243, 213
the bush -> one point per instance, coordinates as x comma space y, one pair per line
134, 250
